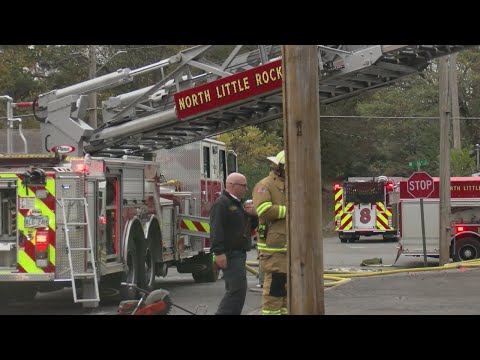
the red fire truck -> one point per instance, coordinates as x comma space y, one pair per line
363, 207
465, 220
93, 208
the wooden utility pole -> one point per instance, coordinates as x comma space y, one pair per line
92, 117
452, 72
445, 108
303, 180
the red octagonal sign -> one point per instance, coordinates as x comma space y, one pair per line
420, 185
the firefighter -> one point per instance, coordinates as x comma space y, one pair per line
269, 201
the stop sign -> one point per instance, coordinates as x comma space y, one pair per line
420, 185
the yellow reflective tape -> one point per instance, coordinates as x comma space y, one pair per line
27, 263
380, 226
271, 312
265, 247
50, 185
190, 225
344, 220
388, 212
349, 207
338, 205
2, 176
51, 254
381, 206
263, 207
206, 226
338, 194
282, 211
20, 221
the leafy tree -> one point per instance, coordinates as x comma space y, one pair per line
253, 146
461, 162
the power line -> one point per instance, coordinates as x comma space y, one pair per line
390, 117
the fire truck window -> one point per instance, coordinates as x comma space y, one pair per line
110, 232
206, 162
364, 192
232, 162
223, 166
111, 191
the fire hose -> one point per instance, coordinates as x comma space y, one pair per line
335, 277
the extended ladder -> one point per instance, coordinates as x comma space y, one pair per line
90, 272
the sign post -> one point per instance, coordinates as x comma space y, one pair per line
420, 185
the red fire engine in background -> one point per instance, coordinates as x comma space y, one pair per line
363, 207
464, 218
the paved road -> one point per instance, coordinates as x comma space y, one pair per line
408, 293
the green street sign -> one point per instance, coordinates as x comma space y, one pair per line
419, 162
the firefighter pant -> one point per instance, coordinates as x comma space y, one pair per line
274, 267
235, 276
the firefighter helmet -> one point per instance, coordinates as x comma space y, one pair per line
278, 159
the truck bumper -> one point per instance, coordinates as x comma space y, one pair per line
6, 276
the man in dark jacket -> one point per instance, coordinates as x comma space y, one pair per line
230, 227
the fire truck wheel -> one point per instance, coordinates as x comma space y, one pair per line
131, 277
343, 240
466, 249
149, 270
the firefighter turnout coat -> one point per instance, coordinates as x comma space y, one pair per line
269, 201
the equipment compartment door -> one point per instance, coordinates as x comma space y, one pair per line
109, 227
365, 216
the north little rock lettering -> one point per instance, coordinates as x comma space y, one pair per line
195, 99
266, 76
223, 90
465, 188
230, 88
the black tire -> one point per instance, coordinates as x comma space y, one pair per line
132, 273
149, 263
466, 249
343, 240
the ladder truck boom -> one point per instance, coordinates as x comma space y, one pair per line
205, 95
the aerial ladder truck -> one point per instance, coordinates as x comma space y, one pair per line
91, 209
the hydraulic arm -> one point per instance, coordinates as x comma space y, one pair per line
206, 94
